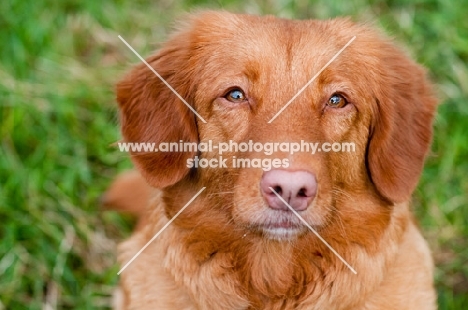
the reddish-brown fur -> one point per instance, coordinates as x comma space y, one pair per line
213, 256
130, 194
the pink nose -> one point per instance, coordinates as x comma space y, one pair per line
297, 188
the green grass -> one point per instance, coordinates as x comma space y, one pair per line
59, 61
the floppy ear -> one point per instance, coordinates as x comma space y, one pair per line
401, 131
152, 113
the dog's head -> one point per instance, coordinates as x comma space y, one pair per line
371, 107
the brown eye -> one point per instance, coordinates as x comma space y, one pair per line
235, 95
337, 101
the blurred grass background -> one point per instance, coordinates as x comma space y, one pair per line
59, 61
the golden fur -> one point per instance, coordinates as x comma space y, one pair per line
211, 256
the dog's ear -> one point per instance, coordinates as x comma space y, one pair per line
152, 113
401, 131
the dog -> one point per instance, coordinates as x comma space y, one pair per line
241, 243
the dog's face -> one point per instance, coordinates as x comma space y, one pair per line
238, 72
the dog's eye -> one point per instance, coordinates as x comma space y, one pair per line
337, 101
235, 95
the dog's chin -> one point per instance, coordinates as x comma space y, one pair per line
276, 225
282, 233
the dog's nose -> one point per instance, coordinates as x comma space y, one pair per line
297, 188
